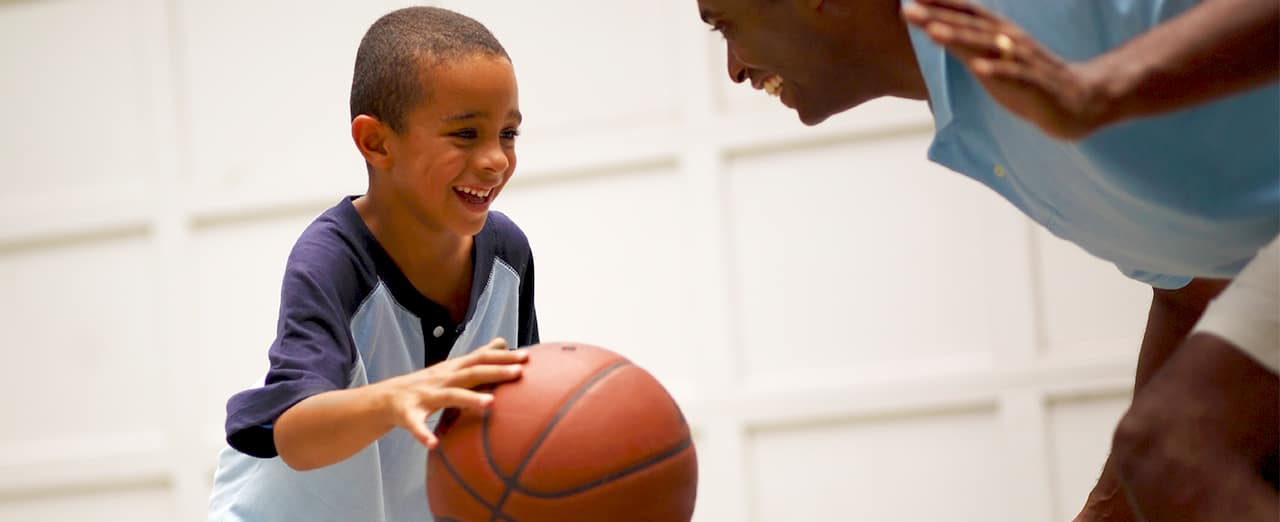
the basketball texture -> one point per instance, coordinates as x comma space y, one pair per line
582, 435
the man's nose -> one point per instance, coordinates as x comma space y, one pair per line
737, 71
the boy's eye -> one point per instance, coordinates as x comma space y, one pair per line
510, 134
469, 134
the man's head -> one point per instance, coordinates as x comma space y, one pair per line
435, 113
820, 56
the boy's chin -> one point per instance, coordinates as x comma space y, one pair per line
471, 227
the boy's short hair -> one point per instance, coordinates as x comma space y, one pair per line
387, 81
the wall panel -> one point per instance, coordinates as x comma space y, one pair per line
78, 331
1089, 307
857, 255
609, 265
237, 273
935, 466
587, 66
84, 121
1080, 430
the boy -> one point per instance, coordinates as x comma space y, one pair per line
415, 274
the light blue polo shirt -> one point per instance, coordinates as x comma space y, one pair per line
1194, 193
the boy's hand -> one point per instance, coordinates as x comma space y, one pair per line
410, 398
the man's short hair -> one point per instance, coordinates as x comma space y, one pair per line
387, 81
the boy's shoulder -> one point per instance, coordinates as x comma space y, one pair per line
507, 240
332, 253
332, 236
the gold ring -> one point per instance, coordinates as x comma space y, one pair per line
1005, 44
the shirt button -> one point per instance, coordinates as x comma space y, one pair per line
438, 331
999, 171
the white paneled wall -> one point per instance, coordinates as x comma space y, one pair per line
920, 466
854, 332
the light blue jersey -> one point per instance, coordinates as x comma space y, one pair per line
1195, 193
349, 317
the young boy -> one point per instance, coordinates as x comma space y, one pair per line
416, 273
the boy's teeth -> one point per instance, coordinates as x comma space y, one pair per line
474, 192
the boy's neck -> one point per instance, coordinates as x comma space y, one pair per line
436, 262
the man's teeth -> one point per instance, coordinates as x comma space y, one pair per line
473, 192
773, 85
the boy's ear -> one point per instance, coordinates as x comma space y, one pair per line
371, 138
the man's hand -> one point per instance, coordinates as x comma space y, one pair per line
1063, 99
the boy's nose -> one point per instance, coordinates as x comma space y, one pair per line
737, 71
494, 160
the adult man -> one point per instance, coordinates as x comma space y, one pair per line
1174, 178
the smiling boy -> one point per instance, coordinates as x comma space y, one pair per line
396, 303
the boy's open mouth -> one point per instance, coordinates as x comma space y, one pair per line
473, 195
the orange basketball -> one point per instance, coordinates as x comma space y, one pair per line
583, 434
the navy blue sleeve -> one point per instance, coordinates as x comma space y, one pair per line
512, 245
528, 330
313, 351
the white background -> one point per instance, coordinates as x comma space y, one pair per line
854, 333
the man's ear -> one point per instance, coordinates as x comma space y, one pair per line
371, 138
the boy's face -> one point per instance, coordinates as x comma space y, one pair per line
457, 147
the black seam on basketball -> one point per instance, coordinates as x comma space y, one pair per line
458, 478
564, 409
683, 445
484, 442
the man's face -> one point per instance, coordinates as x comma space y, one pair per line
795, 51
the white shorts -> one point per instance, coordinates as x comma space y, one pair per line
1247, 313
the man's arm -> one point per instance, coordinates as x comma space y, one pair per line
1217, 48
1172, 316
1194, 443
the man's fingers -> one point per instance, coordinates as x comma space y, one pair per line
960, 6
1003, 70
970, 43
923, 15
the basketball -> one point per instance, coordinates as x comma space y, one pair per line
583, 434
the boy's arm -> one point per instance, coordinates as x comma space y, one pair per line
329, 427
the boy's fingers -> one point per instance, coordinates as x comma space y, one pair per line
503, 356
417, 426
459, 398
484, 374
